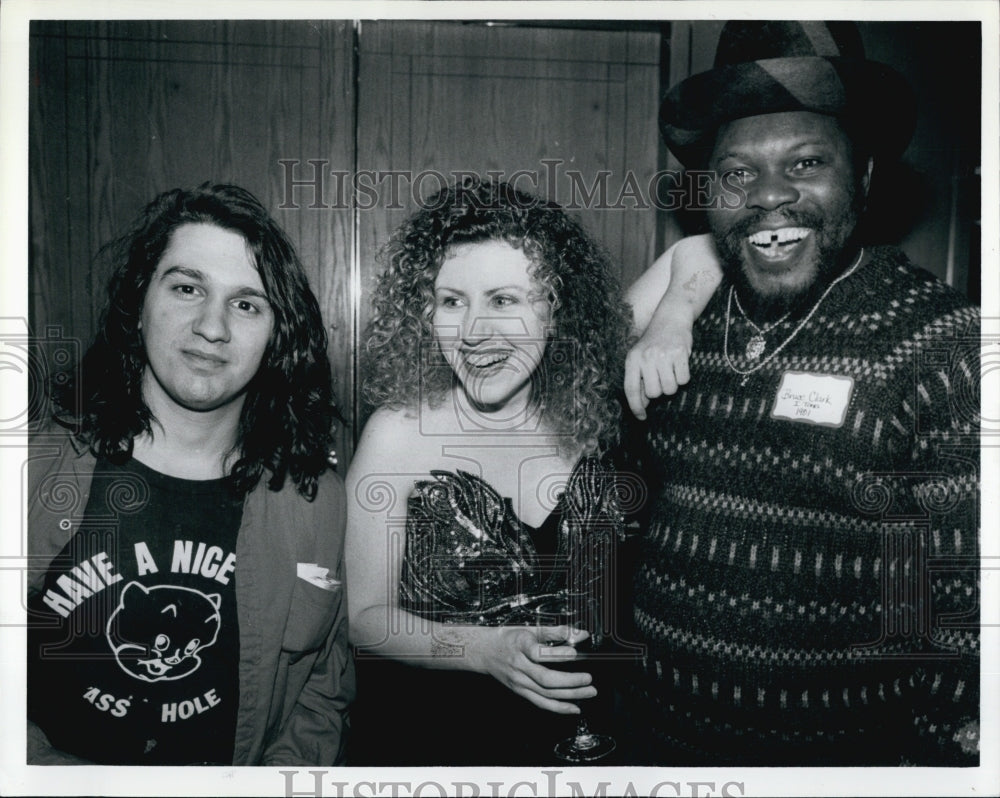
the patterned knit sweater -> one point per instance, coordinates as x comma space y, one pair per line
807, 586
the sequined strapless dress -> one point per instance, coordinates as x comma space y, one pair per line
470, 560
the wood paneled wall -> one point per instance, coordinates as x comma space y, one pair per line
560, 112
573, 104
121, 111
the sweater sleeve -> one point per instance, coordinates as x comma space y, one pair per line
944, 494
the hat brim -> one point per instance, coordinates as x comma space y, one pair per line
874, 97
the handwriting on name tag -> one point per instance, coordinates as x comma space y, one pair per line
813, 398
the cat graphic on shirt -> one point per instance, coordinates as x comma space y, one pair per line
158, 632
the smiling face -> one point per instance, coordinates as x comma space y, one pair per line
802, 203
490, 323
205, 321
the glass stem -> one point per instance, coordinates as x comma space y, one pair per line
584, 739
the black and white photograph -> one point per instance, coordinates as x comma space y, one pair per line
499, 399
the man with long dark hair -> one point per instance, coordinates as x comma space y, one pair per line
185, 598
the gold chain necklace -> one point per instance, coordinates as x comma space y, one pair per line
745, 373
756, 345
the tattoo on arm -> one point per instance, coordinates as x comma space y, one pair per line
442, 648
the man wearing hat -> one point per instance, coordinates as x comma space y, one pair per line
807, 586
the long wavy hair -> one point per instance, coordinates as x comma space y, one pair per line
286, 422
584, 360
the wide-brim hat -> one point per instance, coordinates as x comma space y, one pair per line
764, 67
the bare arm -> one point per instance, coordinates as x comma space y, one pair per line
377, 491
666, 300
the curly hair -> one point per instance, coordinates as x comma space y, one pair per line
584, 359
286, 420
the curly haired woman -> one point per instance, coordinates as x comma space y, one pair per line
478, 489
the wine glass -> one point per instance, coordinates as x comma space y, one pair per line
571, 610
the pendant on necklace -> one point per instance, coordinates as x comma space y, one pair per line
755, 348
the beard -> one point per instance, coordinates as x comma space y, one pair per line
835, 249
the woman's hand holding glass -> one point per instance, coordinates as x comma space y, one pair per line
518, 657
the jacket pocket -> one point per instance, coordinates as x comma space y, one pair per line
310, 615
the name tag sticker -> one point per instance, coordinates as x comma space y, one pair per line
813, 398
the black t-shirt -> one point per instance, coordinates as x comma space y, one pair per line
134, 641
